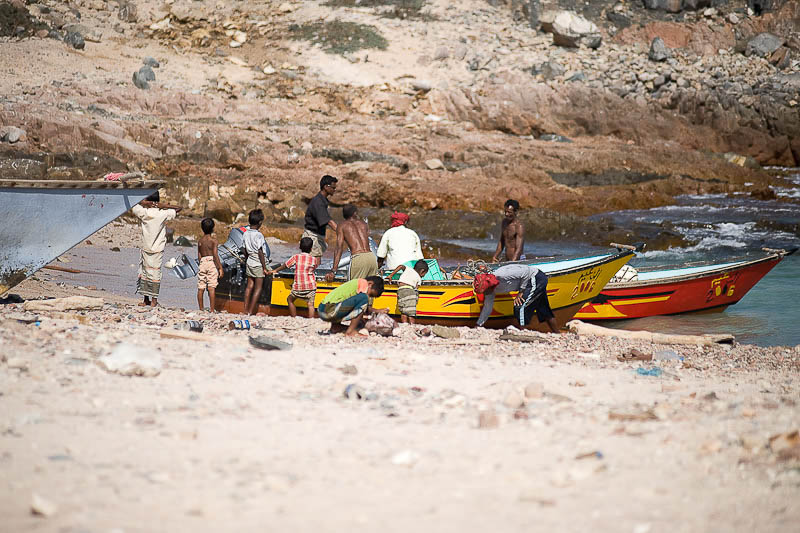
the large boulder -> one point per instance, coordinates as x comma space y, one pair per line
763, 45
572, 30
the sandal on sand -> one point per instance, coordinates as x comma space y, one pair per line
634, 355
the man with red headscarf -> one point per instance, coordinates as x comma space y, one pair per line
531, 298
399, 244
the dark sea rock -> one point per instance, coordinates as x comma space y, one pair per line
763, 45
139, 81
659, 51
75, 40
618, 19
671, 6
551, 70
147, 74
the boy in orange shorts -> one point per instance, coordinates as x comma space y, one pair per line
210, 269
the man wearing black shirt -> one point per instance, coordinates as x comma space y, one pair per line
317, 217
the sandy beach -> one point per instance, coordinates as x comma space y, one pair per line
443, 110
462, 434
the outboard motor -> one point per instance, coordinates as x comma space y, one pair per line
231, 255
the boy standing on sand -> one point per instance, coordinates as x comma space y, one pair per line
256, 264
210, 269
153, 218
305, 281
408, 289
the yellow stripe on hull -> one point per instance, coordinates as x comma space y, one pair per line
454, 303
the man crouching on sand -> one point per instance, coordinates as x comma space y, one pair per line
350, 301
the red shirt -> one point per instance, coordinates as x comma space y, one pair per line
304, 278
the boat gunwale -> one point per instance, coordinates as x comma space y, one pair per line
468, 282
79, 184
692, 276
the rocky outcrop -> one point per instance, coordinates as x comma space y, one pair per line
571, 30
728, 115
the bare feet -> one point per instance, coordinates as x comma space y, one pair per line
337, 328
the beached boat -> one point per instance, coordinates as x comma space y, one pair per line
572, 283
689, 288
42, 219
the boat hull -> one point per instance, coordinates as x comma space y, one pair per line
445, 302
707, 292
41, 223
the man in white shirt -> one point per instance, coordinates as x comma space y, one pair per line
153, 218
399, 244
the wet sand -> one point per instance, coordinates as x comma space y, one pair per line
465, 434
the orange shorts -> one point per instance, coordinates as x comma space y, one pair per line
207, 275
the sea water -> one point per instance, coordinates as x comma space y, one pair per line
719, 227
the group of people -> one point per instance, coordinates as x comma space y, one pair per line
399, 251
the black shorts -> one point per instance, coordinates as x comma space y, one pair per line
534, 302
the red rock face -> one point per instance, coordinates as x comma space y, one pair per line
226, 146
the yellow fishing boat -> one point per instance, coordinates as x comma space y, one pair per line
571, 283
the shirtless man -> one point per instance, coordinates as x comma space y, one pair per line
354, 232
512, 237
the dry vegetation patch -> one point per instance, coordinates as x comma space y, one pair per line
399, 9
338, 36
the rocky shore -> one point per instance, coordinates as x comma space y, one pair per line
422, 105
395, 433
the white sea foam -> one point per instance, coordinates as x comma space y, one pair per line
787, 193
704, 196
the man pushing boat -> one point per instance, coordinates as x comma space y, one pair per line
531, 298
355, 233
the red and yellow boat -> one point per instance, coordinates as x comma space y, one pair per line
571, 284
689, 288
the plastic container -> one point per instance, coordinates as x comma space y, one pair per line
190, 325
667, 355
239, 324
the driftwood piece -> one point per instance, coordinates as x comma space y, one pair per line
462, 342
582, 328
445, 332
70, 303
521, 338
642, 416
63, 269
168, 333
76, 271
